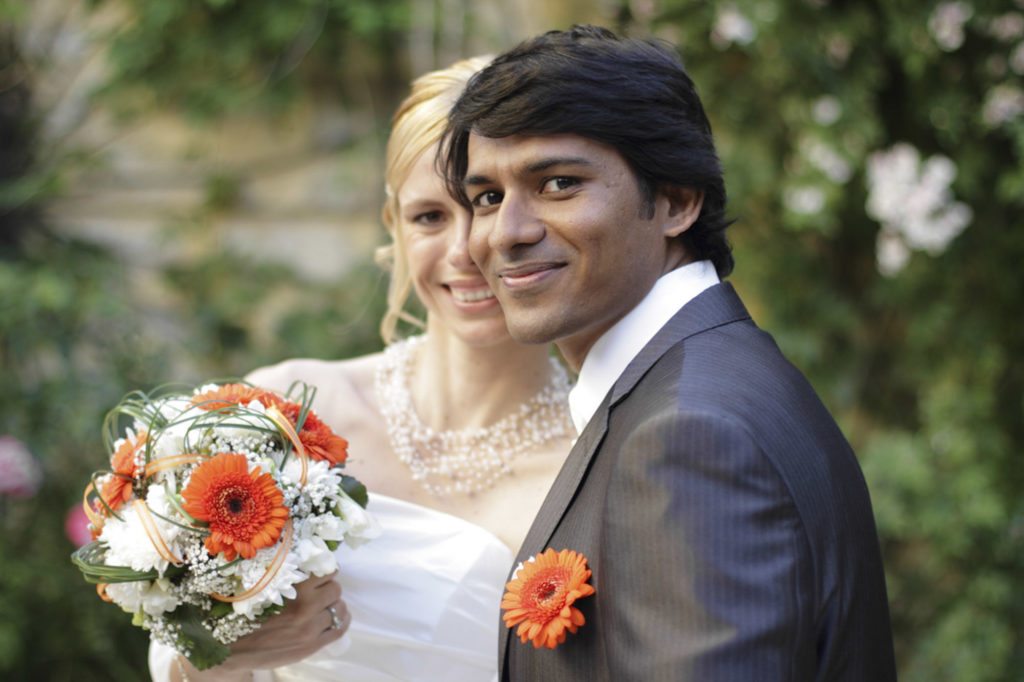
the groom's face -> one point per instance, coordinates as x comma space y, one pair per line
561, 233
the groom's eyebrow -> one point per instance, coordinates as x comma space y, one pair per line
552, 162
477, 180
539, 166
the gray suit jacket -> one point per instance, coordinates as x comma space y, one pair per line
724, 517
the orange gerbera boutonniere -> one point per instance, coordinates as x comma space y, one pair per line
244, 508
540, 597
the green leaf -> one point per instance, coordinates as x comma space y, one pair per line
354, 489
203, 650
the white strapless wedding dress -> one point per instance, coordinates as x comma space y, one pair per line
424, 597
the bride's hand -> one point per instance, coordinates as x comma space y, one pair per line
306, 624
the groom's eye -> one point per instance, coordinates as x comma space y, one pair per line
489, 198
558, 184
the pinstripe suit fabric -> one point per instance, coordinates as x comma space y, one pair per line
724, 516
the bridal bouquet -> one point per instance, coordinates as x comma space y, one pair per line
218, 500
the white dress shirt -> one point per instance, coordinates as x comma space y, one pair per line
611, 353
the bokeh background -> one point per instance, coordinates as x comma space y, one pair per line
191, 188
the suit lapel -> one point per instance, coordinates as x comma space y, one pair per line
714, 307
559, 497
566, 483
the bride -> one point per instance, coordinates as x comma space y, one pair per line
457, 434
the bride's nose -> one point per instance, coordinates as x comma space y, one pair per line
458, 242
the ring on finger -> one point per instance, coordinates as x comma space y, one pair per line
335, 621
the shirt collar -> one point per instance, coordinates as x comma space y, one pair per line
611, 353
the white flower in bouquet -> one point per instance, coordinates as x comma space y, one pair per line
276, 591
314, 556
362, 526
331, 527
151, 597
127, 538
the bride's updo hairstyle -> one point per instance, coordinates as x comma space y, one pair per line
416, 127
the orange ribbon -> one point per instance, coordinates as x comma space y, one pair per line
286, 426
166, 463
95, 519
149, 524
101, 589
275, 566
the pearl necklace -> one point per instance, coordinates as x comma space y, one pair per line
469, 460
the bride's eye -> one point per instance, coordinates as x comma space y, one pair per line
428, 217
558, 184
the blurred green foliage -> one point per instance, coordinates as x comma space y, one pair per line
919, 365
210, 57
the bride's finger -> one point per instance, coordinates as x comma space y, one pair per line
339, 618
314, 586
325, 592
320, 581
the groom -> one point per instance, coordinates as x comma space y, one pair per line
723, 514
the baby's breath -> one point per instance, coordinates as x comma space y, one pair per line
229, 628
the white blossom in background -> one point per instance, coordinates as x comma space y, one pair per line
1003, 103
804, 200
914, 204
891, 253
826, 110
1008, 27
732, 26
946, 24
827, 160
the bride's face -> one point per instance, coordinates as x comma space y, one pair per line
435, 230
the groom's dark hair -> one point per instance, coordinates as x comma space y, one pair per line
631, 94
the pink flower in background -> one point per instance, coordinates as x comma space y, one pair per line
20, 472
76, 526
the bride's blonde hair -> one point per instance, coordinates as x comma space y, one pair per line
416, 127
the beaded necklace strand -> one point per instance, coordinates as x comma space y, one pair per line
468, 460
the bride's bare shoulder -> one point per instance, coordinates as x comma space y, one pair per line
346, 401
347, 381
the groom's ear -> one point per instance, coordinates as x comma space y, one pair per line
682, 208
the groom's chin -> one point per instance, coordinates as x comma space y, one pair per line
531, 329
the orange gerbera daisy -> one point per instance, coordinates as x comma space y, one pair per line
244, 508
541, 595
318, 438
118, 487
234, 394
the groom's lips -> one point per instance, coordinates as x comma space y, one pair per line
522, 278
